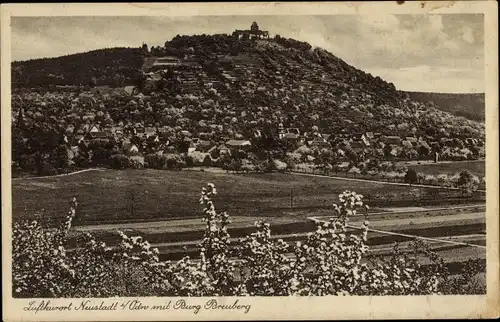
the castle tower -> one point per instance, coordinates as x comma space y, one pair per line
254, 27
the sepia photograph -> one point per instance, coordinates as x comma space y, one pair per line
230, 156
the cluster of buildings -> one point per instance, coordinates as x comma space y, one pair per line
360, 142
134, 139
138, 139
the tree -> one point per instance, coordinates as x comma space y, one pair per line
120, 162
174, 161
467, 182
236, 165
411, 176
82, 158
331, 260
118, 80
270, 165
207, 161
59, 157
18, 148
101, 153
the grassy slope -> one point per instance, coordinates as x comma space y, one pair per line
106, 196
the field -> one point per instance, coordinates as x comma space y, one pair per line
145, 195
475, 167
163, 208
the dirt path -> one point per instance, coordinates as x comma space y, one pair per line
59, 175
430, 162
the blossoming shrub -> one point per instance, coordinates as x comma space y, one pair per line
330, 261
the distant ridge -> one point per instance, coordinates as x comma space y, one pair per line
468, 105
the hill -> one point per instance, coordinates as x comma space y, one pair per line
281, 80
111, 66
221, 87
468, 105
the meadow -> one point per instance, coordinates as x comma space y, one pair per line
112, 196
475, 167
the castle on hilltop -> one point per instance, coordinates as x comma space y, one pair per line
253, 33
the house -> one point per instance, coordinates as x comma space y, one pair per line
117, 129
357, 145
70, 129
357, 136
446, 141
139, 131
360, 137
165, 62
325, 136
204, 146
341, 152
238, 144
108, 131
149, 131
407, 144
343, 135
281, 131
412, 140
94, 128
131, 90
153, 139
391, 140
291, 136
293, 130
344, 165
471, 141
99, 135
320, 143
118, 134
395, 151
429, 138
163, 129
133, 149
219, 150
370, 135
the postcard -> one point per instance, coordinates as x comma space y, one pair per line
250, 161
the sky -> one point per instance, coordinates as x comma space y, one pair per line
439, 53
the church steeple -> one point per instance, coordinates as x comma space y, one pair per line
20, 119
